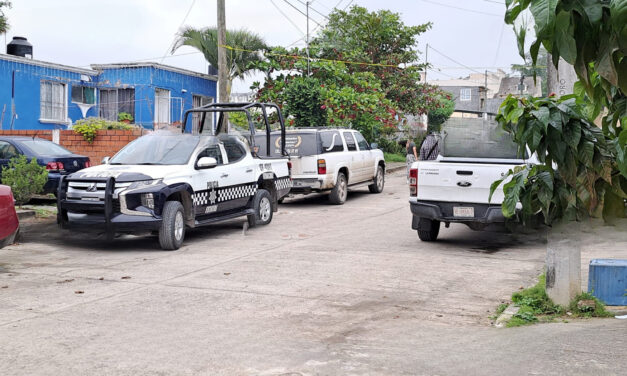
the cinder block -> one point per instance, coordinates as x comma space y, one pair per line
607, 280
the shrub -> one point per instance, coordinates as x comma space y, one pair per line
89, 127
125, 116
25, 178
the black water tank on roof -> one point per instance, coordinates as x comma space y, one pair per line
19, 46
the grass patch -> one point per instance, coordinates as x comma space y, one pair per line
502, 307
536, 306
391, 157
44, 213
588, 311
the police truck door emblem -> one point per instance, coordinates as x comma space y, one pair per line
213, 196
92, 187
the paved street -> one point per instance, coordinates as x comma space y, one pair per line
322, 290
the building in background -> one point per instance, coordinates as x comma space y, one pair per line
42, 95
479, 94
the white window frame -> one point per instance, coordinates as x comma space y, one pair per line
43, 119
465, 94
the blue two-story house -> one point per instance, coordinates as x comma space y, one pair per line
41, 95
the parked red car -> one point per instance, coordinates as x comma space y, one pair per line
8, 217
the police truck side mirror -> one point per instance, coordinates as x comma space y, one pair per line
206, 162
374, 145
105, 160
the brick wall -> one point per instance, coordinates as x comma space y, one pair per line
105, 144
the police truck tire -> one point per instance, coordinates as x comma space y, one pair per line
428, 230
262, 205
340, 191
172, 231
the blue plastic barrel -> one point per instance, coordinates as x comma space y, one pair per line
607, 281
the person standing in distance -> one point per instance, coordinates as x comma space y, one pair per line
412, 155
429, 149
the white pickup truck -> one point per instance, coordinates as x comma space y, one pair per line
331, 160
455, 187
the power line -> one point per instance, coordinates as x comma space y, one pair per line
286, 17
180, 26
314, 9
464, 9
454, 61
498, 46
301, 12
347, 5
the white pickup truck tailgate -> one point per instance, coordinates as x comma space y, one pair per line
304, 167
460, 182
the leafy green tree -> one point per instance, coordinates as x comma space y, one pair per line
334, 95
25, 178
302, 100
383, 41
4, 24
583, 169
239, 58
439, 115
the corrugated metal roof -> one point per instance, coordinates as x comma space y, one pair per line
101, 67
45, 64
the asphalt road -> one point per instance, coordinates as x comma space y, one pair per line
321, 290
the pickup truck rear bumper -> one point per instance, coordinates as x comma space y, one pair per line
443, 212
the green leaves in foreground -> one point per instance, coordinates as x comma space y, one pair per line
581, 169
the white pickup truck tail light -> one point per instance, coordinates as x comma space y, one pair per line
322, 167
413, 182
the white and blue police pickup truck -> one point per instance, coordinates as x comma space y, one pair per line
167, 182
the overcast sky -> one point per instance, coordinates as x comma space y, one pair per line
84, 32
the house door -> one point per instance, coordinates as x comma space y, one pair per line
198, 101
162, 108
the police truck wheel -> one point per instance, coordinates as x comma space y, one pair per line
379, 181
262, 204
172, 231
340, 191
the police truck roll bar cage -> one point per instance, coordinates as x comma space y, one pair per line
221, 108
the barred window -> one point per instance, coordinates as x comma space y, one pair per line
83, 94
52, 101
114, 101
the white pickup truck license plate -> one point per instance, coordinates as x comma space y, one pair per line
463, 211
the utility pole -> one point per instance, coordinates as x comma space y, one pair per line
308, 70
222, 68
426, 61
563, 248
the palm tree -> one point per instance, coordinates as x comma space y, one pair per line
238, 60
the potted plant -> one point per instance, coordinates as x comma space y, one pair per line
125, 117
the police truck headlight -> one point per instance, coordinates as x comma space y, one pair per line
144, 184
148, 200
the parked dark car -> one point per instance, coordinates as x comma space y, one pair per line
9, 223
57, 159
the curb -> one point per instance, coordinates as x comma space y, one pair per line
506, 315
617, 310
395, 168
24, 214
